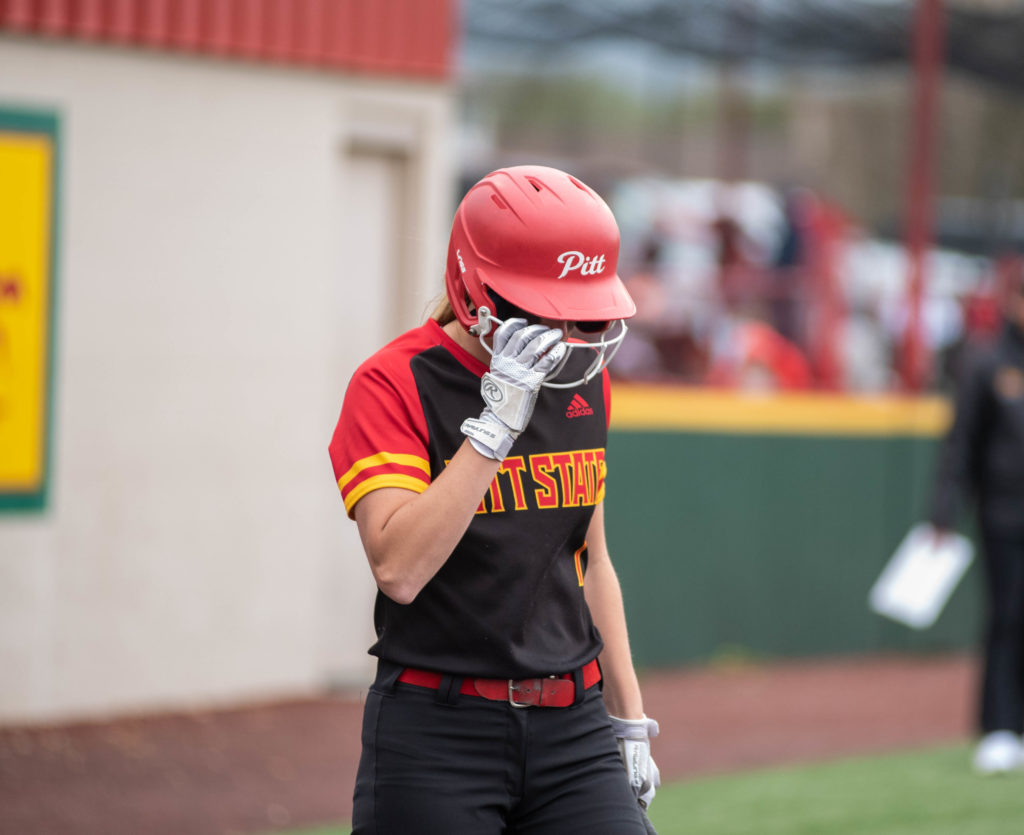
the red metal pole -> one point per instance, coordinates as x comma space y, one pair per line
928, 34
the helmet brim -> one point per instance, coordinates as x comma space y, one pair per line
601, 298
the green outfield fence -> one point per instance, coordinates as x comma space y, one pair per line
756, 525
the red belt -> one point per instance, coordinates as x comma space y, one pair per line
554, 691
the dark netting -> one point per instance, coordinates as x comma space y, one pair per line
985, 43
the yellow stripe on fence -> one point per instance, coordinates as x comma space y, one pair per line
637, 407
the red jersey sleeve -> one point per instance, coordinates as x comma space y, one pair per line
606, 381
381, 436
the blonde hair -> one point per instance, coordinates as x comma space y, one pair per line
442, 312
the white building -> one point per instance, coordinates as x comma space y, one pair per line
243, 207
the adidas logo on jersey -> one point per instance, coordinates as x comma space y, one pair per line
578, 408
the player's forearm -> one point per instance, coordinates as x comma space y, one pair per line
621, 689
409, 546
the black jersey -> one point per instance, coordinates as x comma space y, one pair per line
508, 603
983, 453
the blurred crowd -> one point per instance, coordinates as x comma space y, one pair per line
749, 286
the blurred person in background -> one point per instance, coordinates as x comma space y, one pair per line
661, 344
470, 452
982, 320
789, 261
639, 357
735, 267
751, 355
745, 350
983, 457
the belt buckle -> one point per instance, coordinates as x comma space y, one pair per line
512, 682
511, 695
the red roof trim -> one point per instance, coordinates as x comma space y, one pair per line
390, 37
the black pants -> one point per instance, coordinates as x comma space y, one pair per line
440, 763
1002, 689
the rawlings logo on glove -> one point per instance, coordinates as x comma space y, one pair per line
634, 738
491, 391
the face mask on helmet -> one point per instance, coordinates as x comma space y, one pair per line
540, 237
609, 336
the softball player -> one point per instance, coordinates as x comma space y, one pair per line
471, 453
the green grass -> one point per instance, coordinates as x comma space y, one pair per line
323, 830
930, 792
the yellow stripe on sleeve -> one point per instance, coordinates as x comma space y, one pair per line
406, 482
380, 458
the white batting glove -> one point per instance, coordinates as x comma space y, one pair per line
523, 356
634, 738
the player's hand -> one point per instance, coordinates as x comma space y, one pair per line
938, 536
634, 738
523, 357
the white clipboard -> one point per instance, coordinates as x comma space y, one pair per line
918, 580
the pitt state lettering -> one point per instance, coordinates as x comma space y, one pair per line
547, 480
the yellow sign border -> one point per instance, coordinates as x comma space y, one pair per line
43, 125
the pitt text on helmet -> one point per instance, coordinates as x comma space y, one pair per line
576, 260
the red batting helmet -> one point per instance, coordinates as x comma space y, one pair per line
540, 239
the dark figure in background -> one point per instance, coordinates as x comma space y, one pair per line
787, 262
661, 342
983, 456
733, 265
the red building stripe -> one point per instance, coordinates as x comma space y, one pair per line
338, 34
308, 32
154, 25
18, 14
87, 19
218, 26
121, 20
54, 16
395, 37
248, 28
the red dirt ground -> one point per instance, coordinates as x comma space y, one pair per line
292, 764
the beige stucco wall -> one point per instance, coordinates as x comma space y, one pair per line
211, 307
